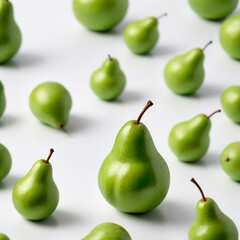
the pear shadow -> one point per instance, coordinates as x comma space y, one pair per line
208, 91
129, 97
9, 182
8, 120
162, 50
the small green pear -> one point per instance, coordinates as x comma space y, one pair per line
11, 38
190, 140
109, 81
100, 15
51, 103
5, 162
184, 74
231, 103
3, 237
36, 195
134, 178
230, 36
2, 99
210, 222
230, 161
109, 231
213, 9
142, 36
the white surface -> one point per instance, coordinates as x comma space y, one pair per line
57, 48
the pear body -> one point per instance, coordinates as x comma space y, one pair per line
230, 36
213, 9
36, 195
107, 231
100, 15
190, 140
185, 74
109, 81
142, 36
231, 103
51, 103
134, 178
230, 161
5, 162
2, 99
3, 236
10, 35
211, 224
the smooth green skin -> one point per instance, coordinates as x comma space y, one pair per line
100, 15
213, 9
211, 223
107, 231
109, 81
2, 99
231, 103
230, 36
142, 36
36, 195
51, 103
230, 161
190, 140
10, 35
5, 162
184, 74
134, 178
3, 237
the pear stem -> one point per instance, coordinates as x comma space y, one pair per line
110, 58
49, 156
162, 15
200, 189
218, 111
227, 160
209, 43
149, 104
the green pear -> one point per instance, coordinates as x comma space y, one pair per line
11, 38
5, 162
109, 81
134, 178
230, 36
231, 103
213, 9
36, 195
190, 140
109, 231
3, 236
100, 15
142, 36
230, 161
2, 99
184, 74
210, 222
51, 103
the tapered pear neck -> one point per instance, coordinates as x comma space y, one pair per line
161, 16
49, 156
218, 111
206, 46
200, 189
149, 104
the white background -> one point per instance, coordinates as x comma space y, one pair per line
57, 48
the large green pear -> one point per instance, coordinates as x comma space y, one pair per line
100, 15
230, 36
213, 9
210, 222
10, 35
3, 236
109, 81
107, 231
190, 140
51, 103
142, 36
2, 99
184, 74
36, 195
5, 162
134, 178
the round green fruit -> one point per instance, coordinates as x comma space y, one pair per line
5, 162
3, 236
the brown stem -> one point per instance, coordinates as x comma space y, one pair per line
200, 189
49, 156
209, 43
149, 104
227, 160
218, 111
162, 15
110, 58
